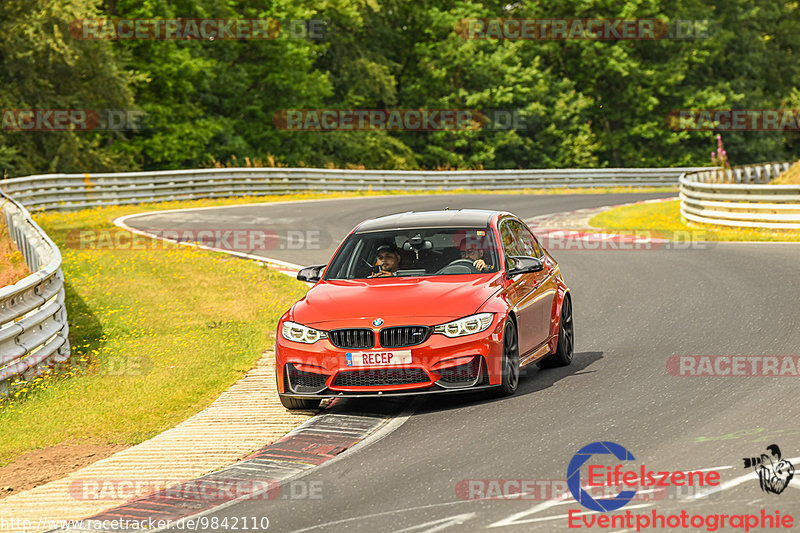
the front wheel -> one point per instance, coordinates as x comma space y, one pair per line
566, 339
510, 381
298, 403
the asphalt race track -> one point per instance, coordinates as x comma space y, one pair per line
634, 309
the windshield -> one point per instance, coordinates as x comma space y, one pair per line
415, 252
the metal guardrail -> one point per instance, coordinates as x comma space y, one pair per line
33, 318
741, 197
33, 321
78, 191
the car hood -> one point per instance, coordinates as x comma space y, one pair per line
419, 300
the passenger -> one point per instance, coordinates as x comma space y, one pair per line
388, 261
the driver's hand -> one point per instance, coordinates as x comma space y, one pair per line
480, 264
381, 274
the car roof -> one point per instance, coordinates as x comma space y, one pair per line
446, 218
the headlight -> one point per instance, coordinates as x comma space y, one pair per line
465, 326
299, 333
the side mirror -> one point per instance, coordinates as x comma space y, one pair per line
520, 264
310, 274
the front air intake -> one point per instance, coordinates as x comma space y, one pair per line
352, 338
402, 336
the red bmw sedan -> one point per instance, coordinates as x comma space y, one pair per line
425, 302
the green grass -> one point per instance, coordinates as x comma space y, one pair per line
209, 202
156, 336
790, 176
664, 220
12, 264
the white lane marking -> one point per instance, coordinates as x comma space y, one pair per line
290, 269
564, 499
712, 468
382, 432
731, 483
533, 510
567, 499
565, 496
378, 435
374, 515
533, 223
284, 267
508, 522
440, 524
280, 202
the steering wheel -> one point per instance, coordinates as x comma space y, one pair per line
459, 266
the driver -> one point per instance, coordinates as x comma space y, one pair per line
474, 253
388, 260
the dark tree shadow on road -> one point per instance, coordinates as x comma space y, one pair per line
532, 380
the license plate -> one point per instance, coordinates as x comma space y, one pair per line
383, 358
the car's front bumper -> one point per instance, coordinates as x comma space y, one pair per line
438, 365
381, 394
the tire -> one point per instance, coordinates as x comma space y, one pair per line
510, 382
298, 403
565, 349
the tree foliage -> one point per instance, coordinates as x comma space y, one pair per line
576, 103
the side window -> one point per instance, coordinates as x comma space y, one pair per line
530, 240
525, 239
539, 251
510, 246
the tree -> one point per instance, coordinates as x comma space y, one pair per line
45, 68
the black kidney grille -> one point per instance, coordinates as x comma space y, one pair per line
376, 377
404, 336
352, 338
466, 373
301, 381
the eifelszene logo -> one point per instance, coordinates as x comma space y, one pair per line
600, 463
774, 473
574, 476
600, 475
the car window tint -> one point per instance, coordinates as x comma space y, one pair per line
433, 249
539, 252
527, 242
510, 245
